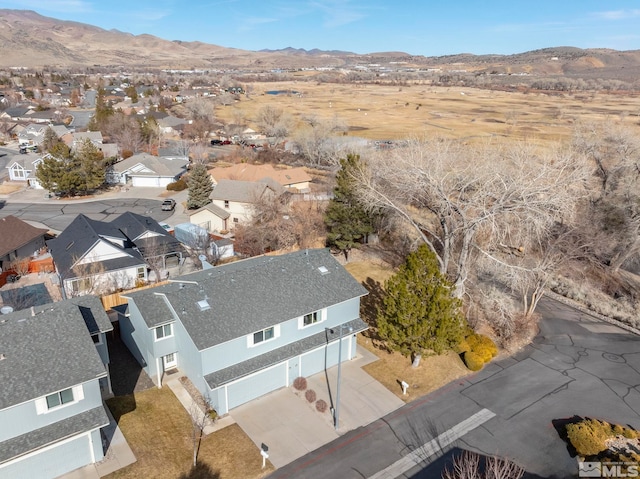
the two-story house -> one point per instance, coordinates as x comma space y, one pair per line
51, 408
232, 202
244, 329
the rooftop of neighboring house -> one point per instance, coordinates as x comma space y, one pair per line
158, 165
15, 233
48, 348
244, 191
249, 172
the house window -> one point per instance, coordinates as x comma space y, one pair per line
18, 173
226, 203
142, 272
165, 331
96, 339
81, 285
264, 335
59, 398
236, 220
310, 318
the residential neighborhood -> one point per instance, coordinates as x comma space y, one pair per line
247, 273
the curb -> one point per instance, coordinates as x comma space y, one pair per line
581, 307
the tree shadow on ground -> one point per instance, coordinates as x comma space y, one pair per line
560, 425
369, 307
201, 471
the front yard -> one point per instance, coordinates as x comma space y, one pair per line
159, 431
392, 368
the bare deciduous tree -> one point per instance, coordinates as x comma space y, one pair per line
459, 198
317, 142
274, 123
468, 466
614, 209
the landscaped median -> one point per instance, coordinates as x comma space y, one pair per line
160, 433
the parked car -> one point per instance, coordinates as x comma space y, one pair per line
168, 204
216, 142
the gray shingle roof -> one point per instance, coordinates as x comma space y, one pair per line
246, 296
216, 210
93, 313
83, 233
159, 166
244, 191
33, 440
45, 352
239, 370
15, 233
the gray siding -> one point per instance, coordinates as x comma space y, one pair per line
257, 385
23, 417
137, 337
237, 350
53, 462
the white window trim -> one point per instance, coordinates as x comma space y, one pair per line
155, 332
43, 408
276, 334
322, 318
172, 364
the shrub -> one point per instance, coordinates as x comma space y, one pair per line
177, 185
588, 436
300, 383
462, 347
310, 395
213, 414
321, 405
473, 361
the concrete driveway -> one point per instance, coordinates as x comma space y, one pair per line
291, 427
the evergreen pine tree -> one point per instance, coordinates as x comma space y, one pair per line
200, 187
419, 312
348, 223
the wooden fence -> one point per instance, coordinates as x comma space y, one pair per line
116, 299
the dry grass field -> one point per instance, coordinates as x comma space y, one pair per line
398, 112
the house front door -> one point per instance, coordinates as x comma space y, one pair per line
170, 361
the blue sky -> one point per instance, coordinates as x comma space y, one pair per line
420, 27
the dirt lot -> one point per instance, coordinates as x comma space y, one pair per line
396, 112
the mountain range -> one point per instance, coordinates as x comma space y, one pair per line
28, 39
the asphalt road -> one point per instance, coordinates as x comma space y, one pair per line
57, 214
576, 366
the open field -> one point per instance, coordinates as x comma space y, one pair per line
398, 112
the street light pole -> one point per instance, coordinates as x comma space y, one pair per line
336, 416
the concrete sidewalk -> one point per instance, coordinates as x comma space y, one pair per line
292, 427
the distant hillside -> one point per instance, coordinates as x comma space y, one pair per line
32, 40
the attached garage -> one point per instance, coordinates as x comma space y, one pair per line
251, 387
151, 180
52, 462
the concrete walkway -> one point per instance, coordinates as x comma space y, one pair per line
291, 426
